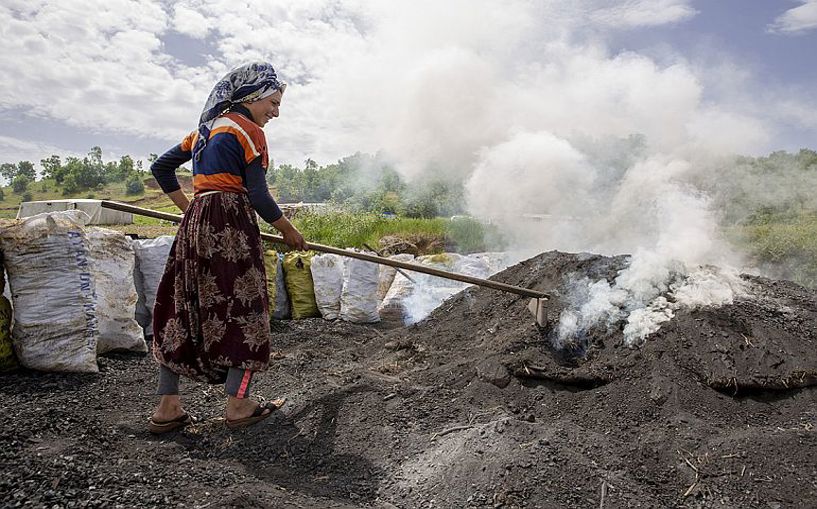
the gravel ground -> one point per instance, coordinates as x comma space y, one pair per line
470, 408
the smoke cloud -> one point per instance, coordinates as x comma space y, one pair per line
566, 146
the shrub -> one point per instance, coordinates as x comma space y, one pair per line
134, 185
465, 234
27, 196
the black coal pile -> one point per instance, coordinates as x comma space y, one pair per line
473, 407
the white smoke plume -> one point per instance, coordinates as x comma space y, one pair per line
565, 145
563, 140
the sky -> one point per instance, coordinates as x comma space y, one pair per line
425, 81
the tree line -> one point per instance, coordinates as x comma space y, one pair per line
77, 174
360, 182
364, 182
370, 183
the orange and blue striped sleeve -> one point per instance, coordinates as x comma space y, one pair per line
164, 167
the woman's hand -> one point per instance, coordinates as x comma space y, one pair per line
292, 237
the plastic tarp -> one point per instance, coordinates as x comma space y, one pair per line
387, 274
408, 303
358, 301
93, 208
327, 278
151, 258
48, 261
112, 264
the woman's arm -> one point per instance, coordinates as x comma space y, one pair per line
265, 205
164, 171
180, 199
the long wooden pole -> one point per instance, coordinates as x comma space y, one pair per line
496, 285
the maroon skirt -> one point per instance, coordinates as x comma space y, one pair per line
211, 309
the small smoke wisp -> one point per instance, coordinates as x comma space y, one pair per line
640, 300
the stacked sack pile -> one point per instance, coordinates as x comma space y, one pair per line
79, 291
336, 287
72, 291
307, 285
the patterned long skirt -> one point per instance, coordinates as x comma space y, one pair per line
211, 309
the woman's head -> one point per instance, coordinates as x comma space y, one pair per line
265, 108
256, 85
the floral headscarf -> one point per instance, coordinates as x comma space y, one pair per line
247, 83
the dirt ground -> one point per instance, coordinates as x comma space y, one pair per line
470, 408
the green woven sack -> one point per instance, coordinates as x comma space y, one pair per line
7, 359
298, 279
271, 268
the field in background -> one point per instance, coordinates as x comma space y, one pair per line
782, 245
336, 228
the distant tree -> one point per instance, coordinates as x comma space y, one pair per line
20, 184
117, 172
52, 168
152, 157
807, 159
2, 195
27, 168
8, 170
85, 173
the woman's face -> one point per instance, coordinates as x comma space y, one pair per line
265, 109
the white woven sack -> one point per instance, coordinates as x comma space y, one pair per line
358, 302
112, 263
48, 263
327, 278
151, 259
282, 309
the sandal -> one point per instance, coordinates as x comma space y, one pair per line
159, 427
258, 415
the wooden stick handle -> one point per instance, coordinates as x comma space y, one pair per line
496, 285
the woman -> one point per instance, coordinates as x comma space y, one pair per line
211, 318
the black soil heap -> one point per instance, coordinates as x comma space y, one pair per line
470, 408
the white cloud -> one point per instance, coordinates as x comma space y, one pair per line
189, 21
637, 13
14, 150
797, 20
404, 76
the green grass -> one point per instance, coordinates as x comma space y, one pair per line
786, 247
347, 229
151, 198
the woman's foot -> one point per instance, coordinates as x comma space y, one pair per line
169, 409
168, 416
242, 408
244, 412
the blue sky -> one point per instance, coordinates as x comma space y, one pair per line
421, 80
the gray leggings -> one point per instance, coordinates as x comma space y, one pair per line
237, 384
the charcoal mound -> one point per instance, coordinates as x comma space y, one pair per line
471, 408
765, 340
